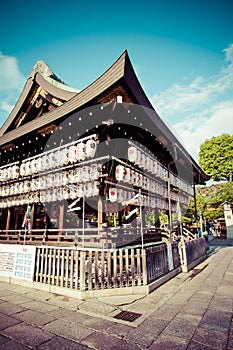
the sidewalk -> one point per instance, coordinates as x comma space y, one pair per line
192, 311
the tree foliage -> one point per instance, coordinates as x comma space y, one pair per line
216, 156
209, 200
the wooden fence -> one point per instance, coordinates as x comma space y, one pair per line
193, 252
89, 269
92, 272
157, 260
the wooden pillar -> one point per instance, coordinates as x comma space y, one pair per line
114, 219
100, 213
32, 220
8, 222
100, 204
61, 220
169, 203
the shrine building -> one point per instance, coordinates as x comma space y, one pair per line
93, 167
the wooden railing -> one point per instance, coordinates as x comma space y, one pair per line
117, 236
47, 236
90, 269
136, 268
91, 237
193, 252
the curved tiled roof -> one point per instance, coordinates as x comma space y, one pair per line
106, 80
41, 76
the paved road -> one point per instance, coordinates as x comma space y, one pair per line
192, 311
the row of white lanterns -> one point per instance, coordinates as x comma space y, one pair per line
58, 158
89, 189
81, 174
140, 158
143, 160
128, 197
132, 177
10, 172
184, 186
50, 160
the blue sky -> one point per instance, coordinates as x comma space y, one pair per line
182, 52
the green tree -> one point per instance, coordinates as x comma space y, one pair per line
209, 200
216, 157
201, 205
163, 217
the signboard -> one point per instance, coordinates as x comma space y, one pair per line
170, 257
228, 214
7, 257
17, 261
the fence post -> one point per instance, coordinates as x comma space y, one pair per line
144, 269
82, 270
182, 252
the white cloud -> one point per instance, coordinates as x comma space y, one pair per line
11, 84
211, 122
10, 76
180, 98
229, 54
6, 106
205, 105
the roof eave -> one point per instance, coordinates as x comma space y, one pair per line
114, 74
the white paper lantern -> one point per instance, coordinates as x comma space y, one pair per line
88, 189
86, 174
113, 195
132, 154
80, 151
65, 178
139, 157
139, 180
72, 154
77, 175
90, 148
80, 190
119, 173
95, 189
60, 194
143, 159
126, 177
50, 182
120, 195
131, 176
39, 164
64, 156
94, 173
51, 163
72, 176
34, 166
22, 169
